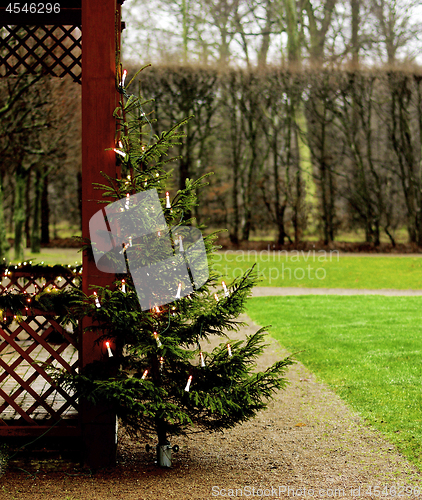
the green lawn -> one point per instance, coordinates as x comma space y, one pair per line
323, 269
313, 270
62, 256
367, 348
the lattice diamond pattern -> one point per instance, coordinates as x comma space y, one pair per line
29, 347
55, 50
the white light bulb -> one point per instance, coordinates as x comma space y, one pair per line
157, 339
122, 83
188, 383
110, 354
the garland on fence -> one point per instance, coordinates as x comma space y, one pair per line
39, 269
40, 290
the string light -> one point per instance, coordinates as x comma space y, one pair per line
188, 383
229, 350
216, 297
125, 247
179, 289
157, 339
161, 363
181, 249
201, 356
110, 354
144, 376
226, 292
130, 241
122, 83
118, 151
127, 201
157, 309
168, 205
123, 286
97, 300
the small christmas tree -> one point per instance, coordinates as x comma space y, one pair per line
165, 303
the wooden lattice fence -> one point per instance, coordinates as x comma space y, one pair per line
54, 50
32, 342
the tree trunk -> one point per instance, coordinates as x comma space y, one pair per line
19, 212
36, 230
280, 208
45, 211
297, 226
265, 42
293, 47
184, 164
28, 210
4, 245
355, 5
234, 233
185, 31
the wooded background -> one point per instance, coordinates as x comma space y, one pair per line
308, 112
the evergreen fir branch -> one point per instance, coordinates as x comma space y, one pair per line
136, 74
224, 392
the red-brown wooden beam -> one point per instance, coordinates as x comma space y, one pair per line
99, 99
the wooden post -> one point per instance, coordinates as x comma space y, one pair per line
100, 19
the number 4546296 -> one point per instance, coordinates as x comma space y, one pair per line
33, 8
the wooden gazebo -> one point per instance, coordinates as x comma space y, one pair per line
80, 38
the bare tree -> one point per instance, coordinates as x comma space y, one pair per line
396, 26
406, 137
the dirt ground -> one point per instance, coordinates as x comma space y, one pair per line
307, 444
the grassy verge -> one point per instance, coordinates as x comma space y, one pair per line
295, 269
368, 349
54, 256
323, 269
